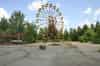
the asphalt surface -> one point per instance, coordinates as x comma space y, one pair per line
52, 56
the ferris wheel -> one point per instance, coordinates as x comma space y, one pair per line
45, 12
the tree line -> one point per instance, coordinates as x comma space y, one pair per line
84, 34
28, 31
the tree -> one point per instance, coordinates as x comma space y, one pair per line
4, 24
73, 34
87, 36
66, 35
17, 23
30, 32
97, 28
97, 31
43, 34
79, 32
85, 28
92, 27
4, 29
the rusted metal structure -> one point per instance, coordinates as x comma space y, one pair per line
51, 17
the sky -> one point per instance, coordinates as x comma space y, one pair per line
75, 12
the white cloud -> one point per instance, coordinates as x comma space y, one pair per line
94, 13
91, 18
97, 13
3, 13
88, 11
35, 5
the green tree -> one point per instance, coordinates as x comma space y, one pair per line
87, 36
17, 22
41, 32
92, 27
79, 32
73, 34
30, 32
85, 28
4, 24
66, 35
97, 30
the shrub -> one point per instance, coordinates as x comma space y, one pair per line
83, 39
96, 40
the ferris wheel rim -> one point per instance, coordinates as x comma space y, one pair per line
43, 8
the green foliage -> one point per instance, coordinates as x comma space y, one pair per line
97, 31
42, 34
73, 34
3, 24
85, 27
88, 35
30, 33
66, 35
83, 38
96, 40
17, 21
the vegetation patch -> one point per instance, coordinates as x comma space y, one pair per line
98, 50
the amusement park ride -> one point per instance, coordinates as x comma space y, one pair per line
49, 16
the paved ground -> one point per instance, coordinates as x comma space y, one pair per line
52, 56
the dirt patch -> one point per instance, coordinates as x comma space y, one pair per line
69, 44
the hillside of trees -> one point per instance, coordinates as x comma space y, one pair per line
28, 31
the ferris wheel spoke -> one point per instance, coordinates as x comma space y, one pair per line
49, 10
45, 12
56, 13
43, 16
44, 24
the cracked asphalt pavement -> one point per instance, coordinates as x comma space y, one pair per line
52, 56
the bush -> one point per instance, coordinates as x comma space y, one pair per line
83, 39
97, 41
30, 33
